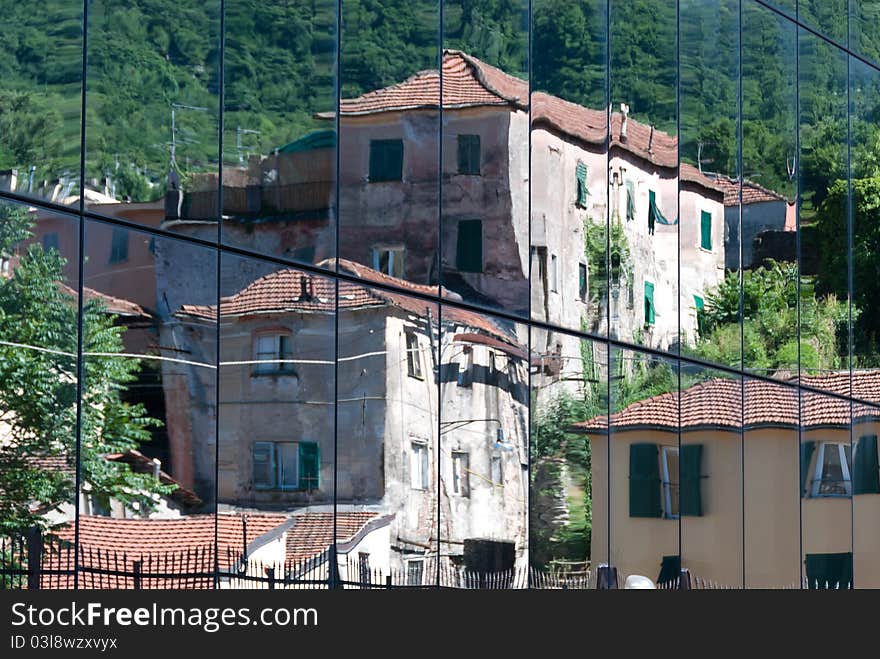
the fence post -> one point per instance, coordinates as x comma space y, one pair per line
270, 572
684, 579
137, 574
388, 581
35, 556
606, 577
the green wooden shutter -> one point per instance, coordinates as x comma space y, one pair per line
581, 175
649, 303
652, 211
309, 466
690, 466
706, 230
468, 154
700, 305
807, 449
630, 200
829, 570
386, 160
263, 465
644, 481
469, 247
866, 470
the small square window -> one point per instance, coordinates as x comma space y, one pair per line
50, 241
389, 260
386, 160
273, 354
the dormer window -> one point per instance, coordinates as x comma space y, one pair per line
273, 354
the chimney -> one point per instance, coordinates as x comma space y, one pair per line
306, 288
624, 113
157, 468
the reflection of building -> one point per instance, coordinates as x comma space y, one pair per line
769, 222
277, 377
661, 487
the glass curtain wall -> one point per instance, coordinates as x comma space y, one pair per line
447, 293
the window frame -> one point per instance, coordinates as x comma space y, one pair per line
410, 564
119, 244
385, 146
413, 355
819, 468
670, 511
496, 464
583, 281
275, 461
279, 364
396, 260
466, 166
461, 486
420, 465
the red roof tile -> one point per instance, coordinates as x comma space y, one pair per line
281, 292
470, 82
312, 533
752, 193
718, 403
114, 305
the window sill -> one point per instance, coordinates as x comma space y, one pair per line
274, 374
416, 377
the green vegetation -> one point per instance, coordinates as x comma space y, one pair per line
38, 397
770, 322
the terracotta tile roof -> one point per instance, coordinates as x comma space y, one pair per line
114, 305
718, 403
145, 537
281, 292
470, 82
752, 193
312, 533
467, 82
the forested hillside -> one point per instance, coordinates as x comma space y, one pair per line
147, 58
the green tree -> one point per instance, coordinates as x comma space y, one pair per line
38, 328
770, 296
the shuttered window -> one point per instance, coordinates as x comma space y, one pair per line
286, 466
649, 303
263, 472
309, 466
691, 464
469, 154
386, 160
630, 200
469, 246
581, 182
652, 211
644, 481
700, 306
866, 471
706, 230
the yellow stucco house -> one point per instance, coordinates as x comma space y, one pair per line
746, 483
